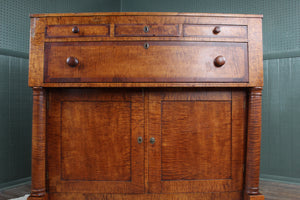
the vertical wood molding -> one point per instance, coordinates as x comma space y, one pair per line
38, 188
253, 141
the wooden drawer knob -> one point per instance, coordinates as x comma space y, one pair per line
217, 30
219, 61
75, 29
72, 61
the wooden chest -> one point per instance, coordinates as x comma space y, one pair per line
156, 106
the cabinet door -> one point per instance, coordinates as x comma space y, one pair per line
92, 141
199, 140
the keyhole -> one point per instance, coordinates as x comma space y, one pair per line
140, 140
146, 45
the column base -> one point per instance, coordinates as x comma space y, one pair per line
254, 197
45, 197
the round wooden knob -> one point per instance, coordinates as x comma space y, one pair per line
217, 30
75, 29
72, 61
219, 61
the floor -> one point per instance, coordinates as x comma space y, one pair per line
271, 190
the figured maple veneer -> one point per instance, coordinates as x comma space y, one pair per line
86, 124
202, 126
92, 138
216, 31
146, 106
200, 145
165, 35
131, 62
82, 30
122, 30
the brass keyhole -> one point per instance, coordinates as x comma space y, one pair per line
146, 29
140, 140
146, 45
152, 140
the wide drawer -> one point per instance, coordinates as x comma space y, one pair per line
146, 30
162, 62
82, 30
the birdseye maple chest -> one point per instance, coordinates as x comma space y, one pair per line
154, 106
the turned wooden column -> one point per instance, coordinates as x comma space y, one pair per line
38, 163
253, 142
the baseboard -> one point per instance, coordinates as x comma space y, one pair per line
11, 184
282, 54
13, 53
284, 179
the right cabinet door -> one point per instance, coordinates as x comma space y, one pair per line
199, 140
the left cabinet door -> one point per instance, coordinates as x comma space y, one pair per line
92, 141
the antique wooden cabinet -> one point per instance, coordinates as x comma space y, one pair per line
156, 106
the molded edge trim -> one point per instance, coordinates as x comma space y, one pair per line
146, 13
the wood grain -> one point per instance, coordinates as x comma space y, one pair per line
272, 190
96, 140
38, 176
206, 130
131, 62
233, 156
253, 22
190, 128
253, 142
123, 30
85, 30
144, 13
226, 31
92, 141
179, 196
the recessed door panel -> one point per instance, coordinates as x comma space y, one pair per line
90, 132
196, 140
199, 138
92, 138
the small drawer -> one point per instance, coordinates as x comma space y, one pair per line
82, 30
222, 31
145, 62
148, 30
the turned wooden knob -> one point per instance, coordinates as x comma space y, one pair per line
217, 30
72, 61
75, 29
219, 61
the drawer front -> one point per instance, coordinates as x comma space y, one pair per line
82, 30
145, 62
140, 30
222, 31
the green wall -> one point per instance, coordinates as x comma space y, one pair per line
280, 120
15, 96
